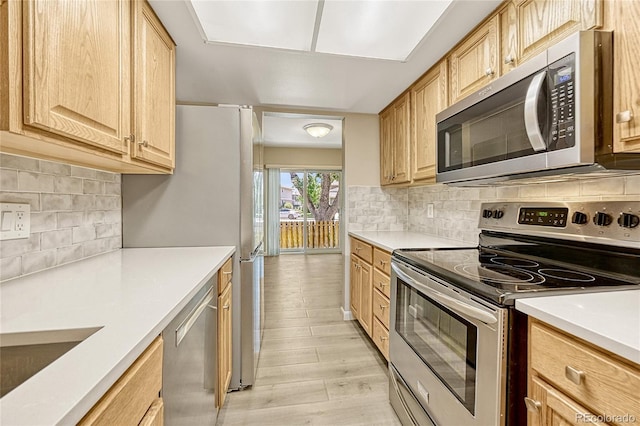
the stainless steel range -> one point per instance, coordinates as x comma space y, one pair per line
458, 348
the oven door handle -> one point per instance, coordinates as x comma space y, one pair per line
448, 301
531, 119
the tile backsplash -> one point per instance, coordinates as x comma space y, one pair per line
456, 209
372, 208
75, 213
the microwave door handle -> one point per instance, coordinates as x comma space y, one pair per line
531, 122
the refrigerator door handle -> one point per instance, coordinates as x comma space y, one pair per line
254, 253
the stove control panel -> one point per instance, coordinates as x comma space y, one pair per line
606, 222
543, 216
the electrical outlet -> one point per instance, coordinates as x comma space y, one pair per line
15, 221
430, 210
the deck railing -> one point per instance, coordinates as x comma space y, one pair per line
322, 234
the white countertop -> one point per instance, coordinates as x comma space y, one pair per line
391, 240
131, 293
610, 320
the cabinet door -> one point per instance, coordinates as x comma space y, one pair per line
543, 22
366, 297
474, 63
626, 84
154, 89
354, 286
77, 70
428, 97
386, 146
554, 408
508, 38
224, 344
401, 142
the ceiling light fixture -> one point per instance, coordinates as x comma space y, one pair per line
318, 130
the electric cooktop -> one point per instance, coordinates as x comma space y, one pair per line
529, 249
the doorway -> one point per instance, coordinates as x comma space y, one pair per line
310, 204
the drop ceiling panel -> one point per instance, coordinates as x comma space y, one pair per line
279, 24
376, 29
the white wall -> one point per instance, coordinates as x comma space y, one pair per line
303, 157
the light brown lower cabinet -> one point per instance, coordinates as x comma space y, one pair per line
224, 344
361, 289
155, 414
135, 393
548, 406
225, 276
370, 290
381, 337
572, 382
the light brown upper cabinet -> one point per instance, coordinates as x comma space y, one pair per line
626, 96
395, 133
154, 88
386, 145
508, 38
474, 63
83, 80
76, 70
428, 97
543, 22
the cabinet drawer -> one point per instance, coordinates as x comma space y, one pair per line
361, 249
381, 308
382, 260
129, 399
381, 337
155, 415
381, 282
225, 274
601, 382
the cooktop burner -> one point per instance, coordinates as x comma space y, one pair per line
497, 274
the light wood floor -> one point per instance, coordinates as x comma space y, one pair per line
314, 368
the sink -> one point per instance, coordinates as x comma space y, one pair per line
24, 354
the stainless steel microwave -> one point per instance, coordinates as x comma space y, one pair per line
551, 115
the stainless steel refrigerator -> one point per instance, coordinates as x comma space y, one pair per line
214, 197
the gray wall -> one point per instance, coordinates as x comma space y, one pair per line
75, 213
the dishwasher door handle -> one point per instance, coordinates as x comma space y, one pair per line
186, 325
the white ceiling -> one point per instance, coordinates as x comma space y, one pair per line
256, 76
285, 130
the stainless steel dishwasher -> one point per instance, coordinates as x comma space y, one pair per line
189, 374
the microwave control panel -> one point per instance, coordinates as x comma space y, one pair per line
561, 80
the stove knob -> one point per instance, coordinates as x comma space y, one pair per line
486, 213
602, 219
628, 220
579, 218
498, 214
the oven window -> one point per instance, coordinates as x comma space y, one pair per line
446, 342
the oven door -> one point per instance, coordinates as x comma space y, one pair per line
449, 348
